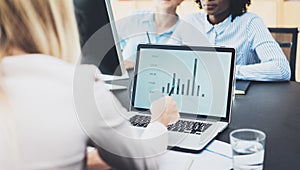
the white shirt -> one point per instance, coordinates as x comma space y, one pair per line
139, 28
50, 130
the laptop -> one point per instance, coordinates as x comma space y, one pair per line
199, 79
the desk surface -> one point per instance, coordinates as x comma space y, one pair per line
271, 107
275, 109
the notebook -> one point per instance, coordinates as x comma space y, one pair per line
200, 80
241, 86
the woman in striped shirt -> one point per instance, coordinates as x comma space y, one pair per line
227, 23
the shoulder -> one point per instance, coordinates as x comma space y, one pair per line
254, 24
135, 18
39, 65
141, 12
196, 19
248, 18
249, 15
52, 62
141, 15
195, 16
250, 23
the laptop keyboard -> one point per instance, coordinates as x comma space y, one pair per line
184, 126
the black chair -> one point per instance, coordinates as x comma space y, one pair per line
287, 39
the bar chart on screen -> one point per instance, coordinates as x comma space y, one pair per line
188, 87
184, 74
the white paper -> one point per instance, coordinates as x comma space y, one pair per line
114, 87
216, 156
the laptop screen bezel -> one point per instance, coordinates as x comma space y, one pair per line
189, 48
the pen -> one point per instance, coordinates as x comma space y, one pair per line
171, 91
148, 37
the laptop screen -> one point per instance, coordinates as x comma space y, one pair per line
198, 78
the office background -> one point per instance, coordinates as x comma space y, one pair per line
275, 13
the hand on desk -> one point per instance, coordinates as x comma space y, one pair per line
129, 64
165, 111
94, 161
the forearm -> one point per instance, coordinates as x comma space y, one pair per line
121, 145
268, 71
127, 149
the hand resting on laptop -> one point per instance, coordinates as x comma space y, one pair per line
165, 111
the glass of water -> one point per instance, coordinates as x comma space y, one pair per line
248, 148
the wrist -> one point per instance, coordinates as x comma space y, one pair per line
161, 120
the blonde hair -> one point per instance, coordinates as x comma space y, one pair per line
33, 26
39, 26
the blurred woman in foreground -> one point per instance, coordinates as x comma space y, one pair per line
39, 124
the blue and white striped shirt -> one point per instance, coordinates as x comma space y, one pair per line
258, 55
132, 30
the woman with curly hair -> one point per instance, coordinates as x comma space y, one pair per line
227, 23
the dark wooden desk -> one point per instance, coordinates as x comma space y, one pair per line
271, 107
